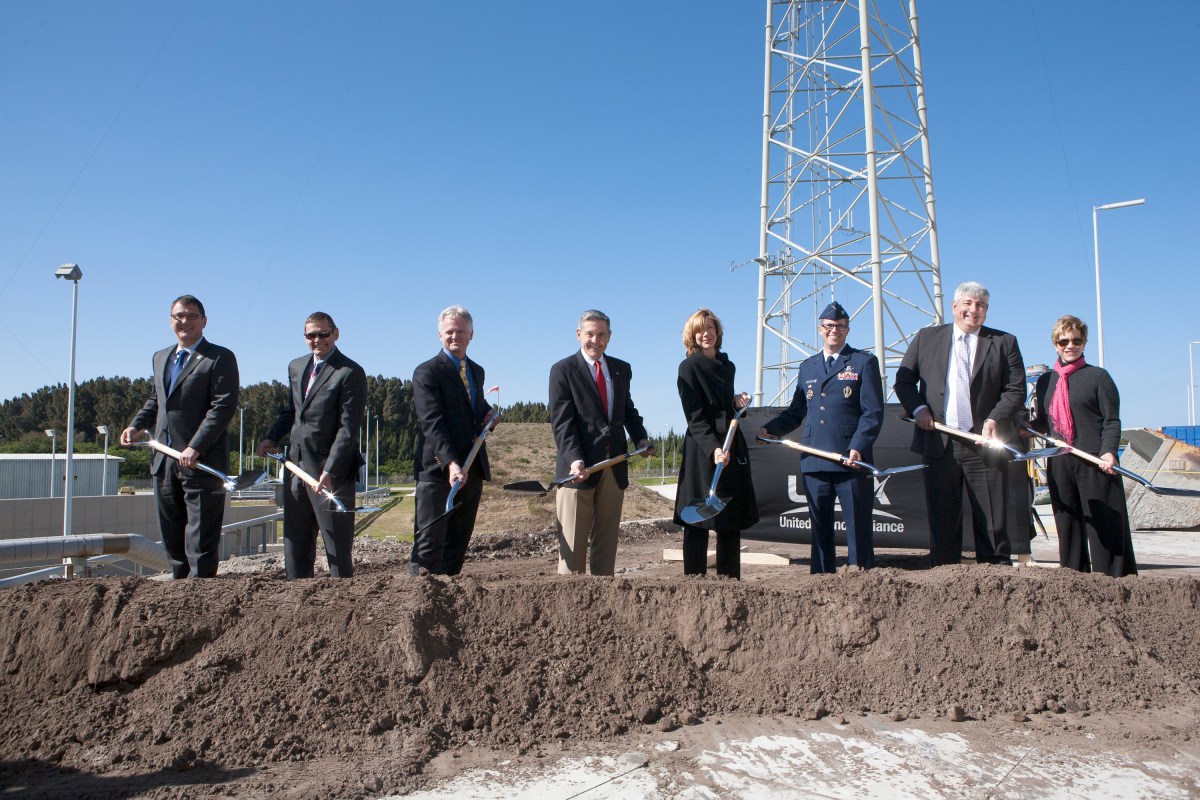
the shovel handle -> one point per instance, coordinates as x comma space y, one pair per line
167, 450
1060, 443
803, 448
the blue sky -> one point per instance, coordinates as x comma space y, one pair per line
382, 160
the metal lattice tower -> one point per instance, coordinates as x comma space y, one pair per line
847, 209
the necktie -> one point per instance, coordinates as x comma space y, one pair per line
312, 376
829, 364
462, 374
602, 387
181, 358
962, 392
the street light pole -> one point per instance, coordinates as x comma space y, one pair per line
241, 435
53, 455
1096, 250
72, 273
1191, 386
104, 470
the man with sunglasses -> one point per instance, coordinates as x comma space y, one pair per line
971, 377
327, 393
193, 397
839, 400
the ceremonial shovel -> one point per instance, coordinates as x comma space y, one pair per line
812, 451
995, 444
250, 477
1163, 490
466, 469
538, 488
312, 482
708, 507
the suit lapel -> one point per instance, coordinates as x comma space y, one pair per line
584, 375
944, 341
982, 352
839, 365
323, 376
188, 366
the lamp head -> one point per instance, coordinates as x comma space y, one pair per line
71, 272
102, 430
50, 432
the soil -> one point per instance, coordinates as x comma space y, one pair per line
248, 685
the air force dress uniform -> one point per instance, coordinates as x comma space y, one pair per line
841, 409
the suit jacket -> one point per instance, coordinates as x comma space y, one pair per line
323, 426
997, 383
841, 409
582, 432
197, 412
449, 422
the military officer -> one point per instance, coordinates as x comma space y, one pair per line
839, 400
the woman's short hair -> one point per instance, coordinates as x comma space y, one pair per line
1066, 324
695, 324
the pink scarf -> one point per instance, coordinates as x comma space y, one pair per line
1060, 404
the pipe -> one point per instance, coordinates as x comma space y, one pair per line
133, 546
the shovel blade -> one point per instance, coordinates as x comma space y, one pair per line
436, 519
1171, 491
1045, 452
897, 470
527, 487
700, 510
251, 477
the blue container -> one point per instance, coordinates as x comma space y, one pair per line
1185, 433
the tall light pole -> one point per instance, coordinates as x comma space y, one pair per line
377, 450
1191, 393
72, 273
241, 436
104, 471
664, 454
53, 455
1096, 250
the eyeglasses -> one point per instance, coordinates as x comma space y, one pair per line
313, 335
185, 317
1074, 340
828, 328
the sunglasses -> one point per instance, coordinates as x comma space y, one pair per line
1075, 341
314, 335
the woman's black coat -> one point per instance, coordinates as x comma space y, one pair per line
706, 390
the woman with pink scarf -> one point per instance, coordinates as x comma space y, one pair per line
1078, 403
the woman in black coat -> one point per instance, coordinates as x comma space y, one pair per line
1079, 404
706, 390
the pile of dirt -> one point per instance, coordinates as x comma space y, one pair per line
116, 685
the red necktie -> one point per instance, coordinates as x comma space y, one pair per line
602, 387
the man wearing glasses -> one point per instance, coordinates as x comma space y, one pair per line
193, 397
327, 393
839, 400
970, 377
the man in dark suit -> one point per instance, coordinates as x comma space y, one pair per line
452, 410
969, 377
326, 396
839, 399
193, 397
590, 411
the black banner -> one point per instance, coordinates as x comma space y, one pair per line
899, 517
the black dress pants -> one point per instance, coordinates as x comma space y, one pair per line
985, 477
305, 513
191, 508
695, 552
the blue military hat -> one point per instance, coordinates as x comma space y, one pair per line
835, 311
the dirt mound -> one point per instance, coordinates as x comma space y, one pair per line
123, 685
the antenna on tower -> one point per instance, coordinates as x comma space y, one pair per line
844, 131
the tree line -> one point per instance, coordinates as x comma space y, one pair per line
114, 402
